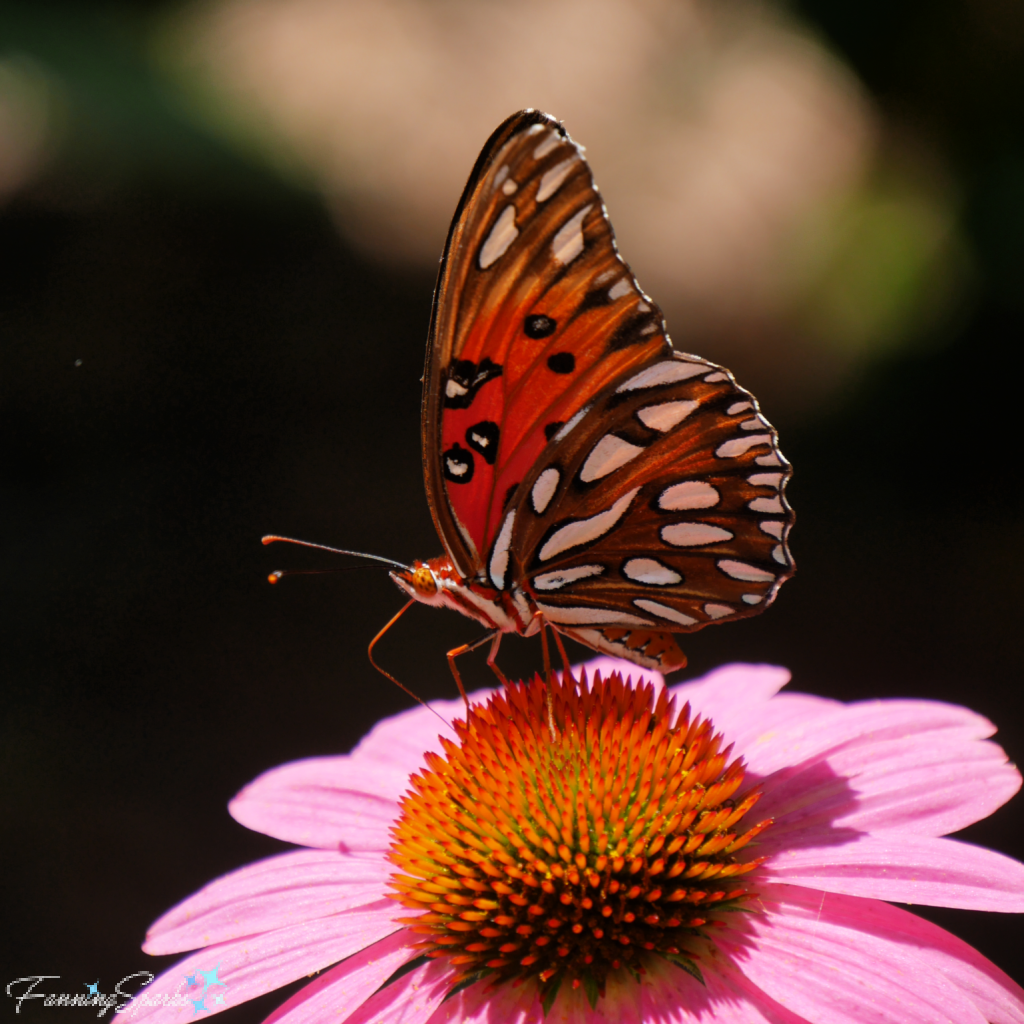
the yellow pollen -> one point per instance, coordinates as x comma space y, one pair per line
571, 859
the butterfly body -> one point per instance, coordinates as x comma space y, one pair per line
580, 471
436, 583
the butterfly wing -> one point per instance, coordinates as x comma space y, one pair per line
570, 454
663, 510
534, 313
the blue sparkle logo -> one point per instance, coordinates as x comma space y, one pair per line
204, 980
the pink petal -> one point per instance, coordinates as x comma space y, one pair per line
344, 988
260, 963
927, 781
318, 802
410, 999
347, 801
399, 742
865, 723
755, 729
998, 998
906, 868
833, 974
621, 1005
272, 893
481, 1004
735, 697
672, 996
520, 1004
667, 995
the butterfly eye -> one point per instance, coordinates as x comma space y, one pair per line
539, 326
562, 362
423, 580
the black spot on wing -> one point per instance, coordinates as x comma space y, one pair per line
483, 438
562, 362
509, 494
457, 464
465, 379
539, 326
552, 428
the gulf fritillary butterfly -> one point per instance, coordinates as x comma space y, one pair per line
580, 472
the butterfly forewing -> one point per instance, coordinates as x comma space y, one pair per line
534, 313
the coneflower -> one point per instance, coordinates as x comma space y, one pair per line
599, 850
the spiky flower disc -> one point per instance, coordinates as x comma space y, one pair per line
572, 832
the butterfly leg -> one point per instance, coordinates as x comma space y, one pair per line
561, 651
547, 653
384, 672
492, 656
455, 652
549, 678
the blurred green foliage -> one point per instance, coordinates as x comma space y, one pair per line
115, 118
951, 71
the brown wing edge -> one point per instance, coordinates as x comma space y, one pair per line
467, 562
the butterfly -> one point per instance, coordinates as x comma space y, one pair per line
582, 474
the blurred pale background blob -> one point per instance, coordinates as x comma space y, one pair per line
26, 122
752, 184
788, 229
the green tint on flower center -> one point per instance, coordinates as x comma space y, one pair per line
570, 856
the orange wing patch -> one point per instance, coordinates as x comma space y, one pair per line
533, 297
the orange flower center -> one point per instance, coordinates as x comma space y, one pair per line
571, 833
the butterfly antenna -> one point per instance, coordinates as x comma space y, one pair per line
384, 672
272, 538
279, 574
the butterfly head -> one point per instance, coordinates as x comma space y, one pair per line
425, 581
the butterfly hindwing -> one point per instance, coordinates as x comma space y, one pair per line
662, 510
534, 313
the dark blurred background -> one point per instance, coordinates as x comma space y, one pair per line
218, 223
